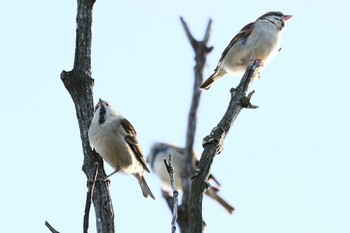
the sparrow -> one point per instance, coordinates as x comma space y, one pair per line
161, 151
257, 40
115, 139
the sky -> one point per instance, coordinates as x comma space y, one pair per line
284, 167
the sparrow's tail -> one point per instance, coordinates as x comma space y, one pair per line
146, 191
213, 194
209, 82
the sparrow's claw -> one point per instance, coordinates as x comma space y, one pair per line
207, 185
108, 181
104, 179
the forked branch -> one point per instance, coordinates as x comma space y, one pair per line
201, 51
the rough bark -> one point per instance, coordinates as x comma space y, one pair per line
201, 50
79, 84
213, 145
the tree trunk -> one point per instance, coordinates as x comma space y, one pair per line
79, 84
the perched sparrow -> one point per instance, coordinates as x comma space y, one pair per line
257, 40
161, 151
115, 139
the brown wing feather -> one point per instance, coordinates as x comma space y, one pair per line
246, 30
131, 139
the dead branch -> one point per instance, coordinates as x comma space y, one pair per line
170, 168
213, 144
79, 84
201, 50
89, 194
53, 230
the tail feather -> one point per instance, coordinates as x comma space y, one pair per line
146, 191
213, 194
209, 82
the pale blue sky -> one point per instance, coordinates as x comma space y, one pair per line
285, 166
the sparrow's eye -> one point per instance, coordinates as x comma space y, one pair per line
281, 20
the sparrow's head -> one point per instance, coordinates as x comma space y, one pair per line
103, 110
277, 18
156, 150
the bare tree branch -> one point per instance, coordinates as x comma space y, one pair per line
170, 168
207, 34
193, 42
79, 84
201, 51
53, 230
89, 194
213, 145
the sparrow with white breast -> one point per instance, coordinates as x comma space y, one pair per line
161, 151
257, 40
115, 139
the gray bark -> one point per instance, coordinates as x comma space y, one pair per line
213, 145
79, 84
201, 51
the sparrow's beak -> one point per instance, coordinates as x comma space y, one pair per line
286, 17
100, 103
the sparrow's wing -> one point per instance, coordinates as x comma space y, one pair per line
181, 151
245, 31
131, 139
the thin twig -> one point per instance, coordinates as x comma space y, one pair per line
207, 32
170, 168
89, 194
53, 230
193, 41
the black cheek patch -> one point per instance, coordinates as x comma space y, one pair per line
102, 114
